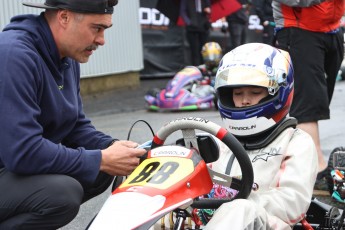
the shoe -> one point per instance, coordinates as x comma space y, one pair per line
321, 187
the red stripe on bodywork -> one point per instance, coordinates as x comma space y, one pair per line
158, 141
221, 133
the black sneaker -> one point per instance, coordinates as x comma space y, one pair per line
324, 181
321, 187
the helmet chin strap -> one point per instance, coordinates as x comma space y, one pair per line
265, 138
261, 140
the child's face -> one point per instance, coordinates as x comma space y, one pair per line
249, 95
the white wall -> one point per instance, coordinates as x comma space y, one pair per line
123, 50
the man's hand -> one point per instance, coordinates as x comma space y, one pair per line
207, 10
121, 158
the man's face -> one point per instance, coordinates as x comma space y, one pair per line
84, 33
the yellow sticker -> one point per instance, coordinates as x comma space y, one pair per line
160, 173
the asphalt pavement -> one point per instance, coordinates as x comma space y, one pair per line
121, 100
115, 111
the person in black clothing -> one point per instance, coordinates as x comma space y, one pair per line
237, 23
195, 14
263, 9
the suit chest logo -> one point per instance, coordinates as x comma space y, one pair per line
266, 153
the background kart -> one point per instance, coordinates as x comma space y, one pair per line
187, 90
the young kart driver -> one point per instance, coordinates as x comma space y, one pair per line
254, 84
211, 53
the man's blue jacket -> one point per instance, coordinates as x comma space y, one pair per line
43, 127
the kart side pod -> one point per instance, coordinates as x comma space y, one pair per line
171, 177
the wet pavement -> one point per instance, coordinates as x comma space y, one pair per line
121, 100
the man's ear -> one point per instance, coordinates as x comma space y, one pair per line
64, 16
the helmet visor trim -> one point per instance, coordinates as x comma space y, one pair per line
240, 76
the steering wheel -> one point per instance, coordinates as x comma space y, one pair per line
188, 125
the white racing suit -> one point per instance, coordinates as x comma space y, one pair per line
285, 173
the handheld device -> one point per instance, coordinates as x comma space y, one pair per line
146, 145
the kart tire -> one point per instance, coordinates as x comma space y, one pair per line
330, 167
153, 92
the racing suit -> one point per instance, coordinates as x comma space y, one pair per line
284, 175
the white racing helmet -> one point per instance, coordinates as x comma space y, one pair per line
255, 64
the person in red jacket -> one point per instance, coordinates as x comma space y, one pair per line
310, 31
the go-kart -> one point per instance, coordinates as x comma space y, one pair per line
187, 90
174, 179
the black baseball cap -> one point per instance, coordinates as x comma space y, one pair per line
79, 6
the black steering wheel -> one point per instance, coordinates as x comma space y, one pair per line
188, 125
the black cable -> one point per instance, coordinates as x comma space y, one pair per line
118, 180
130, 130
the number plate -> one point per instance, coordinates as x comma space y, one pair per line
160, 173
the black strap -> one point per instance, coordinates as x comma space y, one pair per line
266, 138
